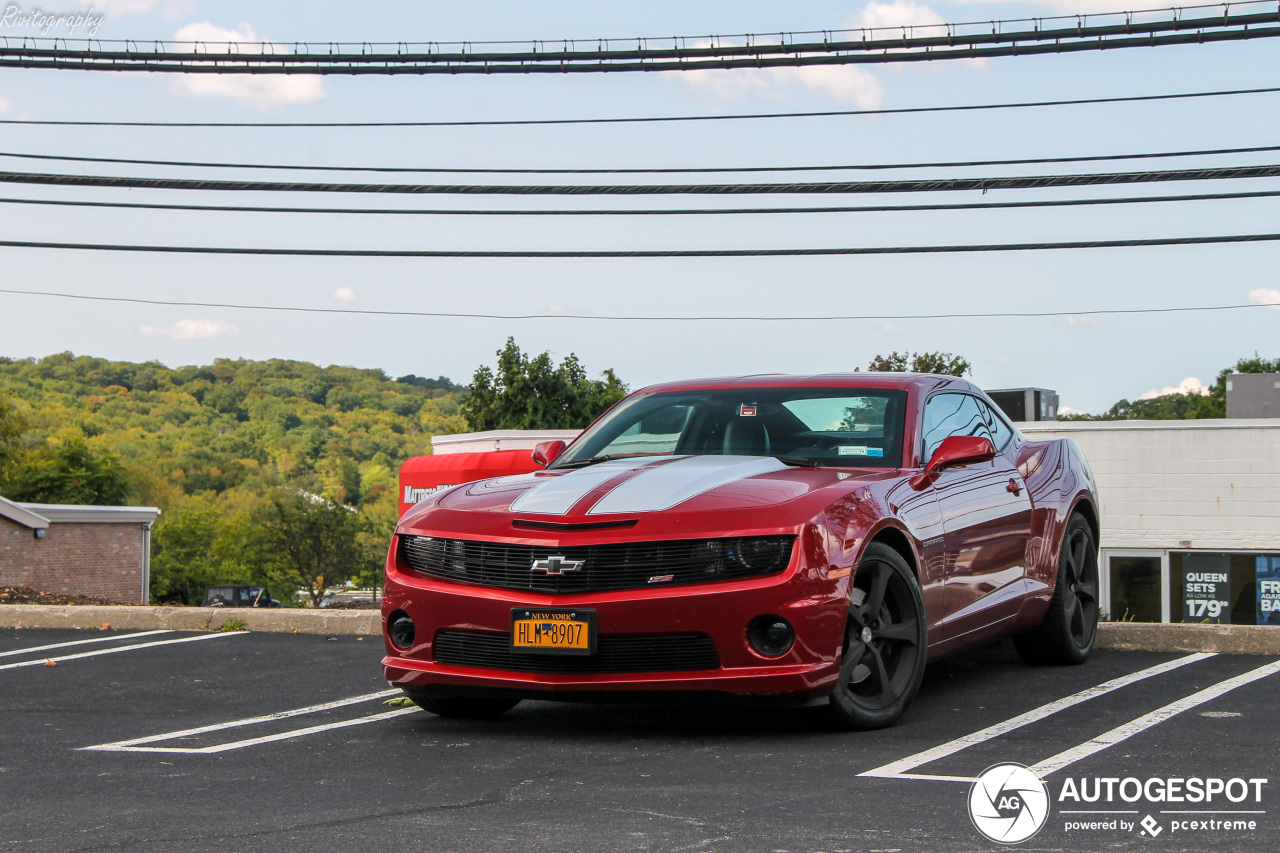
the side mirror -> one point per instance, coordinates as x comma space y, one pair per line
546, 452
961, 450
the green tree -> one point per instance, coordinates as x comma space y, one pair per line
318, 544
70, 473
12, 427
943, 363
533, 393
1184, 406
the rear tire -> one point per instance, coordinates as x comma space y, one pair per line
461, 707
883, 653
1070, 627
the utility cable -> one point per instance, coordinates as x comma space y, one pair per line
870, 208
648, 253
838, 187
773, 318
1067, 102
885, 45
1025, 161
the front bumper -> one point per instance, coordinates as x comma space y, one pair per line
815, 606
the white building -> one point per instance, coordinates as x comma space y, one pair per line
1190, 516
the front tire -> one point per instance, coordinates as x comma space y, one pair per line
882, 656
461, 707
1070, 627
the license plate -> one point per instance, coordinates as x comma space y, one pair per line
553, 631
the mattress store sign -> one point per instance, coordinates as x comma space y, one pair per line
1206, 593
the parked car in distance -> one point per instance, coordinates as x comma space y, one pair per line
226, 595
814, 537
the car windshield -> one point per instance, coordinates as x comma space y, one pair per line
844, 427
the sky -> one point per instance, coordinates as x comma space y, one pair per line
1090, 361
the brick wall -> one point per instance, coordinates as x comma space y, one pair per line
75, 558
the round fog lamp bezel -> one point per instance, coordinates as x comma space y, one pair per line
756, 630
391, 631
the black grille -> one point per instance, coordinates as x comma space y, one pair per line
661, 653
623, 565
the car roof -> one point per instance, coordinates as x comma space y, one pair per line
901, 381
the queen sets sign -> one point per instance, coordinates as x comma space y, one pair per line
1269, 590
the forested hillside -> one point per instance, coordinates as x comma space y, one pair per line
221, 448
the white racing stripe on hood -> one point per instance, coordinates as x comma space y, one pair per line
670, 485
557, 495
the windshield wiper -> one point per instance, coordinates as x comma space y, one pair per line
583, 463
799, 461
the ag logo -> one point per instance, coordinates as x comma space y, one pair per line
1008, 803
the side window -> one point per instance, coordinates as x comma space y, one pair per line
1001, 432
951, 414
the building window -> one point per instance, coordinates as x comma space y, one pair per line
1224, 588
1135, 588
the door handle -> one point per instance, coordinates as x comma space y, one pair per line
1013, 487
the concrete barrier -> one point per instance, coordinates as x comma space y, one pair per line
1125, 636
1223, 639
284, 620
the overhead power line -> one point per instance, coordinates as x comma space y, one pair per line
837, 187
837, 47
1065, 102
645, 253
772, 318
666, 211
666, 170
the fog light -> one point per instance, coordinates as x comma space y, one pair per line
400, 630
771, 636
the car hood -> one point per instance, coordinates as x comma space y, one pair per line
641, 485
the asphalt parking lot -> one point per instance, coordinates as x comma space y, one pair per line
192, 750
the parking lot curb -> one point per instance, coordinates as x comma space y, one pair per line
1123, 636
281, 620
1223, 639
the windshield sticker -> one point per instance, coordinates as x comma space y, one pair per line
859, 450
745, 411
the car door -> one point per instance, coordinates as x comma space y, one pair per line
986, 517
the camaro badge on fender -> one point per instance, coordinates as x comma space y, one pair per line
555, 565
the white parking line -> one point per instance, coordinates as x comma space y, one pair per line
46, 661
898, 769
105, 639
133, 745
1146, 721
265, 718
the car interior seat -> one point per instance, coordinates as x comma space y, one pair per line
746, 437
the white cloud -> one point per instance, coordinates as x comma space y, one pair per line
261, 91
1190, 385
1067, 410
191, 330
1262, 296
5, 103
344, 294
899, 13
887, 329
1084, 322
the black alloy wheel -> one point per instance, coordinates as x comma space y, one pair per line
1070, 627
882, 656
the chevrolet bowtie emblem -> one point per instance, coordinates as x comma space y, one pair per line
555, 565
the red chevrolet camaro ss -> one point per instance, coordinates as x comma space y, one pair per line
817, 538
